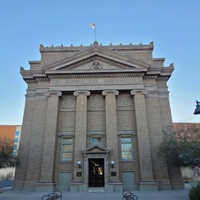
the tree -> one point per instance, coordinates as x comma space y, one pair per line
181, 145
7, 157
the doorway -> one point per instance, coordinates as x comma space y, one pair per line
96, 172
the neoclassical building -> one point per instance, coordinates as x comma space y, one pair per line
93, 117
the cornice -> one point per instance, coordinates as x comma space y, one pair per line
99, 75
72, 48
95, 75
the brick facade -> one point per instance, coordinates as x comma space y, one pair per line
93, 117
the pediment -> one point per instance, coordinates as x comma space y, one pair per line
96, 60
96, 149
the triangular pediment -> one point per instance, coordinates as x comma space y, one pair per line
96, 149
96, 59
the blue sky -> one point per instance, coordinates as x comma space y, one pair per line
173, 26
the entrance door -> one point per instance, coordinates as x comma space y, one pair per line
96, 172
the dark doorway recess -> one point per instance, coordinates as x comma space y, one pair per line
96, 172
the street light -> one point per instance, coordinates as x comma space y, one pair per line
197, 109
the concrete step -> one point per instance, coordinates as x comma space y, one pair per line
96, 189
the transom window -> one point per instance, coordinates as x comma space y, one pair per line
66, 149
126, 148
95, 140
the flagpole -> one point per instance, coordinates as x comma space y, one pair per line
95, 36
94, 27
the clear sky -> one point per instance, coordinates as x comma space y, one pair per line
173, 26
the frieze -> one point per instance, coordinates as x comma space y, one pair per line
96, 101
100, 81
124, 100
68, 102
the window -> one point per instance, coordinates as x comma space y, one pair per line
66, 149
126, 148
15, 147
17, 133
95, 140
16, 140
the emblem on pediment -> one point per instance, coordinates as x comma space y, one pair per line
96, 65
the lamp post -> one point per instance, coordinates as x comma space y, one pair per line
197, 109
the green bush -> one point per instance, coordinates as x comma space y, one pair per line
194, 192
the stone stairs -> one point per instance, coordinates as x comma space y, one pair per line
96, 189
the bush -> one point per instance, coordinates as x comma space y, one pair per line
194, 192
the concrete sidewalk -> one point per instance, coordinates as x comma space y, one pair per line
161, 195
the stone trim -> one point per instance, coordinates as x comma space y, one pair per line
133, 92
58, 93
150, 77
96, 133
114, 74
65, 133
42, 79
87, 93
105, 92
126, 133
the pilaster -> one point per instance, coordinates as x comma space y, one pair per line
160, 169
174, 172
36, 142
47, 168
24, 148
146, 172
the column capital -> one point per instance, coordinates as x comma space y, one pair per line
105, 92
87, 93
134, 92
57, 93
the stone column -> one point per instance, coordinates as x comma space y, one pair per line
80, 134
111, 132
146, 172
47, 169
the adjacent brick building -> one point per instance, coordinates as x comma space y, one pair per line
10, 133
93, 116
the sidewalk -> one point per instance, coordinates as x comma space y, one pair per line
161, 195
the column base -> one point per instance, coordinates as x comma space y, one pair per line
18, 185
45, 187
29, 186
177, 184
148, 186
78, 187
164, 184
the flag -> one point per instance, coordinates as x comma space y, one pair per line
92, 25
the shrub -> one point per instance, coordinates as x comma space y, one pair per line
194, 192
